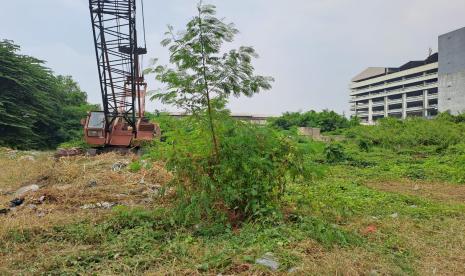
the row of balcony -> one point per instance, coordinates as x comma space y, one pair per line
397, 110
388, 84
397, 91
395, 101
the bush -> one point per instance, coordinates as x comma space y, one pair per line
408, 134
255, 165
335, 153
326, 120
364, 144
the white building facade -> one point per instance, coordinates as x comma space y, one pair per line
414, 89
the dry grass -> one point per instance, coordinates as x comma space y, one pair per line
341, 261
439, 243
66, 187
444, 192
437, 246
16, 169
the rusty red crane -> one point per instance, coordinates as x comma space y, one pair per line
121, 123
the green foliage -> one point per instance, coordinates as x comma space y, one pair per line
135, 166
75, 142
133, 238
202, 72
341, 198
334, 153
444, 116
38, 109
203, 76
328, 234
255, 165
411, 133
416, 149
365, 144
219, 164
326, 120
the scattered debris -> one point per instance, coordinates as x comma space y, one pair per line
27, 157
68, 152
373, 272
64, 187
292, 270
395, 215
370, 229
118, 166
137, 191
155, 189
269, 261
91, 152
26, 189
16, 202
32, 206
92, 183
41, 199
12, 154
4, 211
145, 164
99, 205
146, 201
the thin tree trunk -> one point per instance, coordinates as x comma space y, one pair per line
209, 107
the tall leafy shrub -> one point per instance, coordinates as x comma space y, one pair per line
255, 165
219, 165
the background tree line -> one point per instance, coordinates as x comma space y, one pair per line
38, 109
326, 120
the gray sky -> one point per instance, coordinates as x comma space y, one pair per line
312, 47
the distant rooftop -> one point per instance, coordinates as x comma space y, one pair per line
373, 72
234, 115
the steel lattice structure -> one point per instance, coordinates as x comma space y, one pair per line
115, 38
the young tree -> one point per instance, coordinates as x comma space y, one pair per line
203, 76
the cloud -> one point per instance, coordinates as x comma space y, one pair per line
312, 47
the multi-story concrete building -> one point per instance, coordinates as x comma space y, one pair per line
417, 88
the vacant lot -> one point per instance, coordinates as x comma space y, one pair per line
106, 215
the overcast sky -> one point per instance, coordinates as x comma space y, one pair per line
311, 47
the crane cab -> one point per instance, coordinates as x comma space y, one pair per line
117, 132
